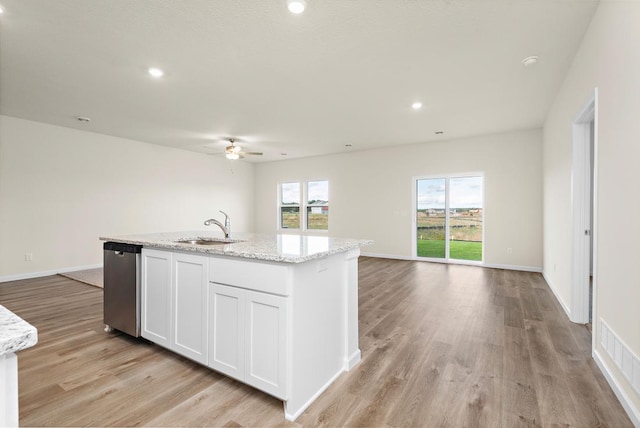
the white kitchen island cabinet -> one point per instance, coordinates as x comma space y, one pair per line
155, 312
189, 298
174, 302
278, 314
247, 337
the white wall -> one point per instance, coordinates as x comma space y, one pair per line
609, 59
61, 188
371, 192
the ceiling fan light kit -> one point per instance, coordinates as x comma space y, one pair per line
296, 6
233, 152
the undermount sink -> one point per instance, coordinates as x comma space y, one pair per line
202, 242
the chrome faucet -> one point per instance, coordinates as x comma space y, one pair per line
226, 227
227, 222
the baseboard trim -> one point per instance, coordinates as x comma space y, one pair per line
353, 360
514, 267
557, 296
385, 256
627, 404
30, 275
292, 416
486, 265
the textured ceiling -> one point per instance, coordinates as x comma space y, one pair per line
344, 72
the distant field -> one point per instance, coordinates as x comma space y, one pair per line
460, 250
291, 220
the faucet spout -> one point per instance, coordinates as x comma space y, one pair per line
227, 222
220, 225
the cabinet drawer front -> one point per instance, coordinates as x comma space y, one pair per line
253, 275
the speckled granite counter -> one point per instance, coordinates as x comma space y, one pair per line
15, 333
288, 248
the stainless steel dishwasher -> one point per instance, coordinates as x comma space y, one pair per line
122, 287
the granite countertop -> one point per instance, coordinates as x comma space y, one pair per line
288, 248
15, 333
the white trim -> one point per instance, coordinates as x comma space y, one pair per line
535, 269
581, 209
454, 262
627, 403
386, 256
353, 360
555, 293
20, 276
292, 416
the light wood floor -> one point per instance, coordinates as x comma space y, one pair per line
441, 345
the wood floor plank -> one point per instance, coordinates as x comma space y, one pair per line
442, 346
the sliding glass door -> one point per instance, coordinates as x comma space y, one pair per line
449, 218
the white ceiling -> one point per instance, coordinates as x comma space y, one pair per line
344, 72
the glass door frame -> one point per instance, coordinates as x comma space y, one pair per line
414, 218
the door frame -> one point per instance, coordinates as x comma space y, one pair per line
581, 210
414, 220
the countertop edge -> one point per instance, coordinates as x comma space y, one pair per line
15, 333
236, 249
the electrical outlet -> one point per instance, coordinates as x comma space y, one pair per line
28, 257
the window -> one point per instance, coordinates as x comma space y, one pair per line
311, 198
449, 218
290, 206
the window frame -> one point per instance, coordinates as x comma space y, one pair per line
303, 186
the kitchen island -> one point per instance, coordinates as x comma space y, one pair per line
277, 312
15, 335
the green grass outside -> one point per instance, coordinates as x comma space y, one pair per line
291, 220
460, 250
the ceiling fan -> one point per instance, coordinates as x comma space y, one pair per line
234, 152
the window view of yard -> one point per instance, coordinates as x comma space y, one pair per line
316, 205
465, 218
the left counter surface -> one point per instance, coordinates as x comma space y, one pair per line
287, 248
15, 333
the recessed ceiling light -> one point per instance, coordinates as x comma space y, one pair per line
296, 6
417, 105
83, 119
439, 132
283, 154
156, 72
348, 145
530, 60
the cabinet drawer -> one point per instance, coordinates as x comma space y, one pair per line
253, 275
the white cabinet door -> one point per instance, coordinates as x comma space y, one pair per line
226, 330
156, 296
190, 286
265, 342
